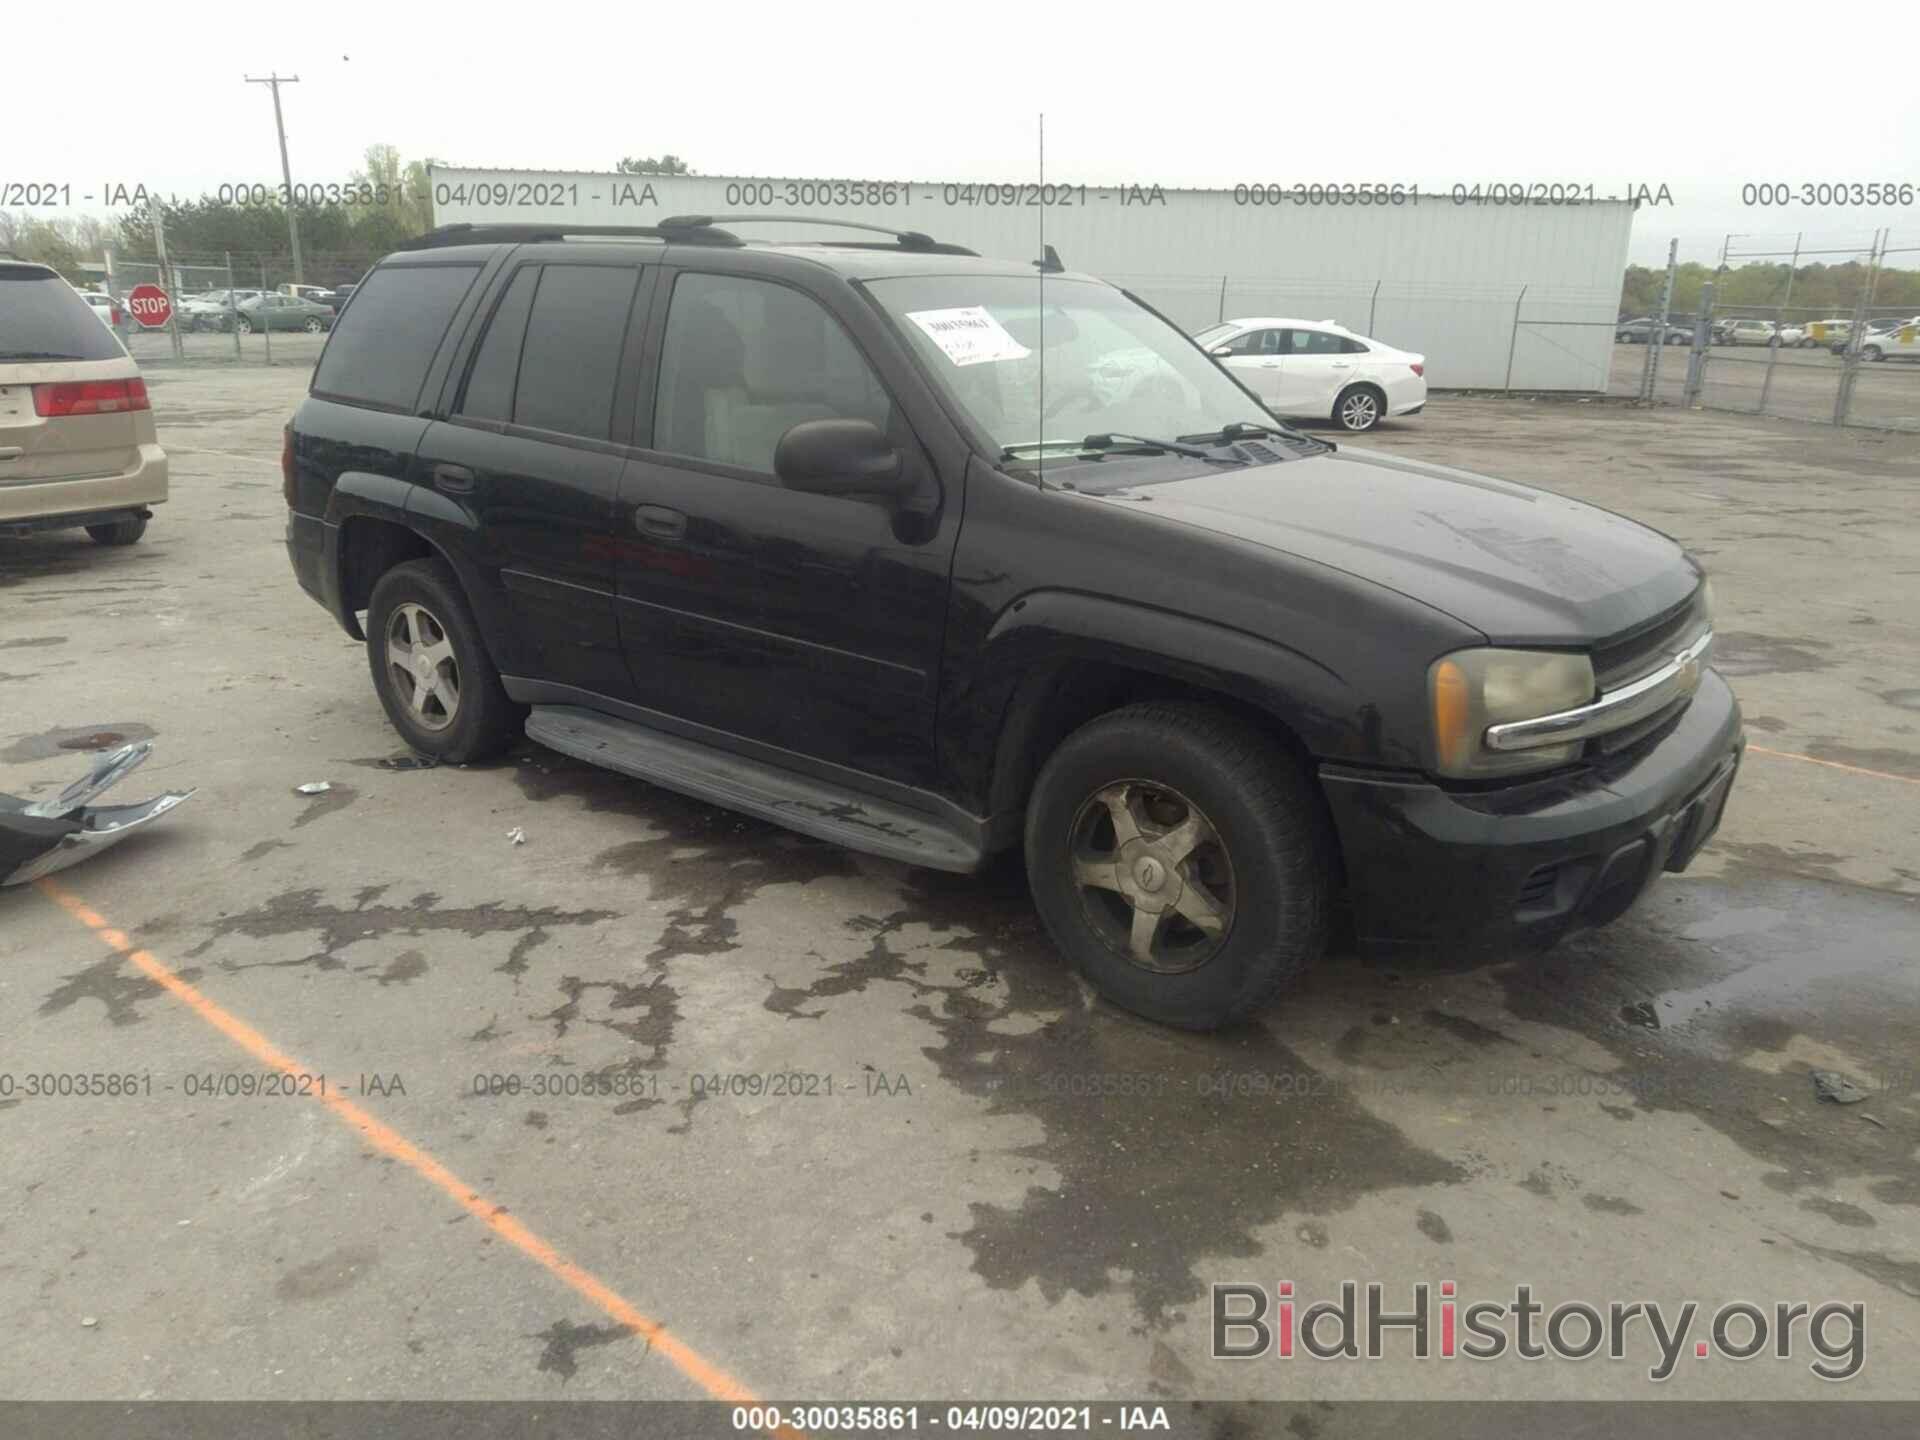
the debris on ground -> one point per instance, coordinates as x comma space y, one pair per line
38, 838
1873, 1120
409, 762
313, 787
517, 835
1832, 1086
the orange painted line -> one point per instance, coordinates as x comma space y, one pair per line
1833, 765
385, 1140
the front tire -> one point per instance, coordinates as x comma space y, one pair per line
244, 325
118, 532
1181, 861
313, 326
1359, 408
431, 670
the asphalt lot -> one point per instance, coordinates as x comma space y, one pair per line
1011, 1190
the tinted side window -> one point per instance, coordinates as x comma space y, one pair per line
1352, 347
42, 314
744, 361
380, 352
1313, 342
489, 394
571, 355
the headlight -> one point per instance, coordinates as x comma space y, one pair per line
1472, 689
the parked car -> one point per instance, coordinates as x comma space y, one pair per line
337, 299
319, 294
1827, 334
215, 310
1635, 332
692, 511
109, 310
1898, 341
283, 312
1319, 370
1743, 332
77, 442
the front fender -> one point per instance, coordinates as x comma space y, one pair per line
1039, 638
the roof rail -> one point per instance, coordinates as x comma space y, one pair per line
905, 239
465, 233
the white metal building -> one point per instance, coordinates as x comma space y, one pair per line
1493, 294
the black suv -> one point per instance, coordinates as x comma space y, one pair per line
934, 556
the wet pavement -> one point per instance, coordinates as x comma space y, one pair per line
849, 1128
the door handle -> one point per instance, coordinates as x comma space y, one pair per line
1269, 364
455, 478
659, 520
12, 452
1343, 364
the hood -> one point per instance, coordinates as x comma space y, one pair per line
1520, 565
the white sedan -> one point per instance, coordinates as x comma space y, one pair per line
1319, 370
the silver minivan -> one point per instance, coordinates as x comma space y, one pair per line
77, 441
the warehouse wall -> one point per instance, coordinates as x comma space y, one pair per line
1433, 276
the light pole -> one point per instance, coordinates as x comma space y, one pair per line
286, 170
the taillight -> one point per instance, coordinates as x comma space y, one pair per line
89, 397
1418, 369
286, 463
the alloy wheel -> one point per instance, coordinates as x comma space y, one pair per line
421, 664
1359, 410
1153, 876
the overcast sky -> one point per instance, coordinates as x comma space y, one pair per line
1194, 95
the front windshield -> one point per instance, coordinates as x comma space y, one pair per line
1110, 366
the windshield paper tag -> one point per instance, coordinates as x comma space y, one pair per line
969, 335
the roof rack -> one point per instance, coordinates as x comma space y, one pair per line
916, 240
465, 233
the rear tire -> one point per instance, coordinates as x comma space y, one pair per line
118, 532
1359, 408
1226, 829
452, 706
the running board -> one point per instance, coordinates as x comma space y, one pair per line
799, 802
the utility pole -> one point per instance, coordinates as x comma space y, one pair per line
286, 170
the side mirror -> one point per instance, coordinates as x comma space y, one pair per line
1221, 352
840, 457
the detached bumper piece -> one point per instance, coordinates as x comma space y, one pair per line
43, 836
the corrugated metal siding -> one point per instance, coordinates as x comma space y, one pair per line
1435, 277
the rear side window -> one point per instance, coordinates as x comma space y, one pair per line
43, 318
1313, 342
496, 368
380, 351
571, 354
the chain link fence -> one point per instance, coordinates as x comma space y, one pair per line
216, 317
1855, 363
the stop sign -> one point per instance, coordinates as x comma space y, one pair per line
149, 305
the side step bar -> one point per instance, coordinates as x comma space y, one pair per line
799, 802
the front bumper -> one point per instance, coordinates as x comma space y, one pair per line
1528, 863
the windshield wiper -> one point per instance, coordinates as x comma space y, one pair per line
1117, 441
38, 355
1243, 430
